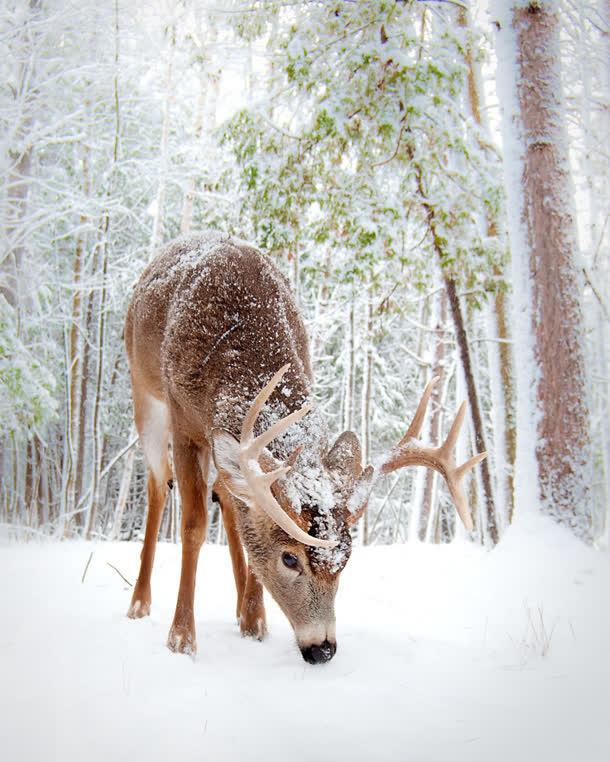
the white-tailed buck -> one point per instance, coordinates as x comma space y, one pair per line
220, 366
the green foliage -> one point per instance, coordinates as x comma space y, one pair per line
336, 173
27, 400
370, 131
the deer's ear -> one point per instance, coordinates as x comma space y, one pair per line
359, 498
225, 451
345, 457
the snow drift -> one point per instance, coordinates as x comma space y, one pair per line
444, 652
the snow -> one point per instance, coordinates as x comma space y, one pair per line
444, 652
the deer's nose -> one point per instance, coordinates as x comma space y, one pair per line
320, 653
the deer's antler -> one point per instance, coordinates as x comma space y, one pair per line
410, 452
251, 449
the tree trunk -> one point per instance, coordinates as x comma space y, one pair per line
367, 391
504, 349
205, 111
491, 527
76, 370
43, 494
509, 394
562, 449
464, 353
98, 437
435, 419
160, 201
349, 377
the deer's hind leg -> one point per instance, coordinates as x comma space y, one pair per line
152, 423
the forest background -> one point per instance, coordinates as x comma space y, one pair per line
385, 155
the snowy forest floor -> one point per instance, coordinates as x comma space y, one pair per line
444, 652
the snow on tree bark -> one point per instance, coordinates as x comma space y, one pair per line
506, 370
562, 447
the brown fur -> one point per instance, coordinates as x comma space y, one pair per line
211, 320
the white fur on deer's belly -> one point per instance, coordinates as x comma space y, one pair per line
153, 435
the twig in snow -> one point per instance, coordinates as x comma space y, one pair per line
86, 567
119, 573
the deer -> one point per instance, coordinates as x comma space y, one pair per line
220, 370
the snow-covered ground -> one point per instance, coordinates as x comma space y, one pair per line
445, 653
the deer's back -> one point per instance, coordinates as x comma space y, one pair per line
210, 321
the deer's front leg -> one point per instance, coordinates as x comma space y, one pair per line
250, 607
240, 572
191, 466
252, 620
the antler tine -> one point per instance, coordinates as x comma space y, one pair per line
290, 460
247, 429
456, 490
465, 467
448, 445
409, 452
256, 445
420, 413
262, 440
259, 482
272, 476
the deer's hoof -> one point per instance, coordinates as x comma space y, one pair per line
255, 628
182, 641
138, 609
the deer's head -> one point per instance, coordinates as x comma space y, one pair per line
295, 515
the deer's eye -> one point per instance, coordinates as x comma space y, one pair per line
290, 560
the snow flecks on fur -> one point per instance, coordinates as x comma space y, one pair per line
309, 486
231, 324
362, 491
333, 560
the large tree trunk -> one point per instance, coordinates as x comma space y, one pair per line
545, 258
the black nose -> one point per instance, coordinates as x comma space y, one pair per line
319, 654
